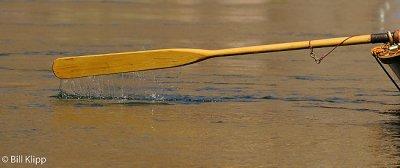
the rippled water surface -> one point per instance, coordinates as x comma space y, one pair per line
259, 110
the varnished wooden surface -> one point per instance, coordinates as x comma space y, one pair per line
81, 66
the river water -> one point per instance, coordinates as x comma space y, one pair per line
259, 110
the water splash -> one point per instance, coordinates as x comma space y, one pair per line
160, 98
173, 87
120, 86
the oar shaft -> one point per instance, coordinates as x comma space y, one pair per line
102, 64
343, 41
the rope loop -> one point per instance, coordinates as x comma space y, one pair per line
318, 60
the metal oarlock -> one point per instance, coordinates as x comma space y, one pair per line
394, 47
390, 35
396, 36
394, 40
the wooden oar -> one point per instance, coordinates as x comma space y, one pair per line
90, 65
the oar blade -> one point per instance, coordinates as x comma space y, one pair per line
91, 65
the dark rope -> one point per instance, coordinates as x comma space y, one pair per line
318, 60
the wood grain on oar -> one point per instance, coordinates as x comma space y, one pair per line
81, 66
74, 67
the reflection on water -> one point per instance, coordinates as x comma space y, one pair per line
260, 110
